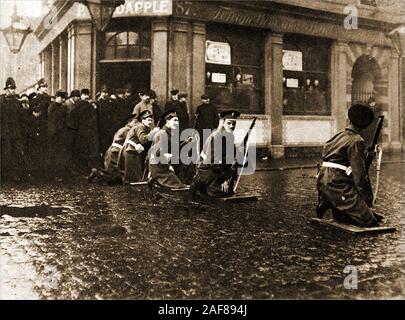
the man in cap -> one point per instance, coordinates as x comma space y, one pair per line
121, 109
57, 136
111, 174
136, 147
39, 140
216, 171
144, 104
165, 152
343, 183
105, 113
157, 112
12, 144
207, 117
86, 143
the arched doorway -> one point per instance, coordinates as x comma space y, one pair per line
366, 79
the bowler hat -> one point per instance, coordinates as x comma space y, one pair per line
174, 92
152, 94
61, 93
85, 91
183, 95
361, 116
205, 96
10, 83
75, 93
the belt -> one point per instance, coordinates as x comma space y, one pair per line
348, 170
116, 145
138, 147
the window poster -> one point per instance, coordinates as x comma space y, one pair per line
217, 52
292, 60
218, 77
292, 83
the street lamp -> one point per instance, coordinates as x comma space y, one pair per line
16, 33
101, 11
397, 37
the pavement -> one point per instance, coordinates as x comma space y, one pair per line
131, 243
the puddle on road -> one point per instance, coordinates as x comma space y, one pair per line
32, 211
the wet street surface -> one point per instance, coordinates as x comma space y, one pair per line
83, 241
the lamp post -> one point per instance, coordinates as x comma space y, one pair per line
101, 11
16, 33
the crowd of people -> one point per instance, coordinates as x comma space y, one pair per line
53, 137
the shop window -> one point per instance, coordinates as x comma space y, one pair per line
234, 68
306, 76
127, 45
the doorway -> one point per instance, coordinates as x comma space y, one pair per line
119, 75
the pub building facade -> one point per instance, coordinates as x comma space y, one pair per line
293, 66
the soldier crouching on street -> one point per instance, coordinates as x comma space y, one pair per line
217, 171
165, 148
111, 174
136, 147
343, 183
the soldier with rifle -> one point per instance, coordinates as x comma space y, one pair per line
343, 182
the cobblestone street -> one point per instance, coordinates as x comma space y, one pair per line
127, 243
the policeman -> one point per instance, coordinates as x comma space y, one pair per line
343, 183
165, 152
12, 144
217, 169
136, 147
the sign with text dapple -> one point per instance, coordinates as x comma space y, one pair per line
139, 8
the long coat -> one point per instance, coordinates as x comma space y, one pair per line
182, 113
350, 194
106, 127
57, 136
207, 119
160, 169
11, 137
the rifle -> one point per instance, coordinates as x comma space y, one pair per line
370, 154
244, 143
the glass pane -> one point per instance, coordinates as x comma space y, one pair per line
109, 52
145, 52
133, 38
316, 94
134, 52
122, 52
122, 38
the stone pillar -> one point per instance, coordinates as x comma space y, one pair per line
274, 91
55, 67
48, 66
159, 57
63, 55
339, 84
84, 65
180, 56
198, 66
394, 111
71, 58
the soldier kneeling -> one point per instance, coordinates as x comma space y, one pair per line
343, 183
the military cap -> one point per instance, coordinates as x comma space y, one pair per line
61, 93
174, 92
230, 114
24, 95
183, 95
361, 116
205, 96
10, 84
75, 93
85, 91
42, 83
144, 115
169, 114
